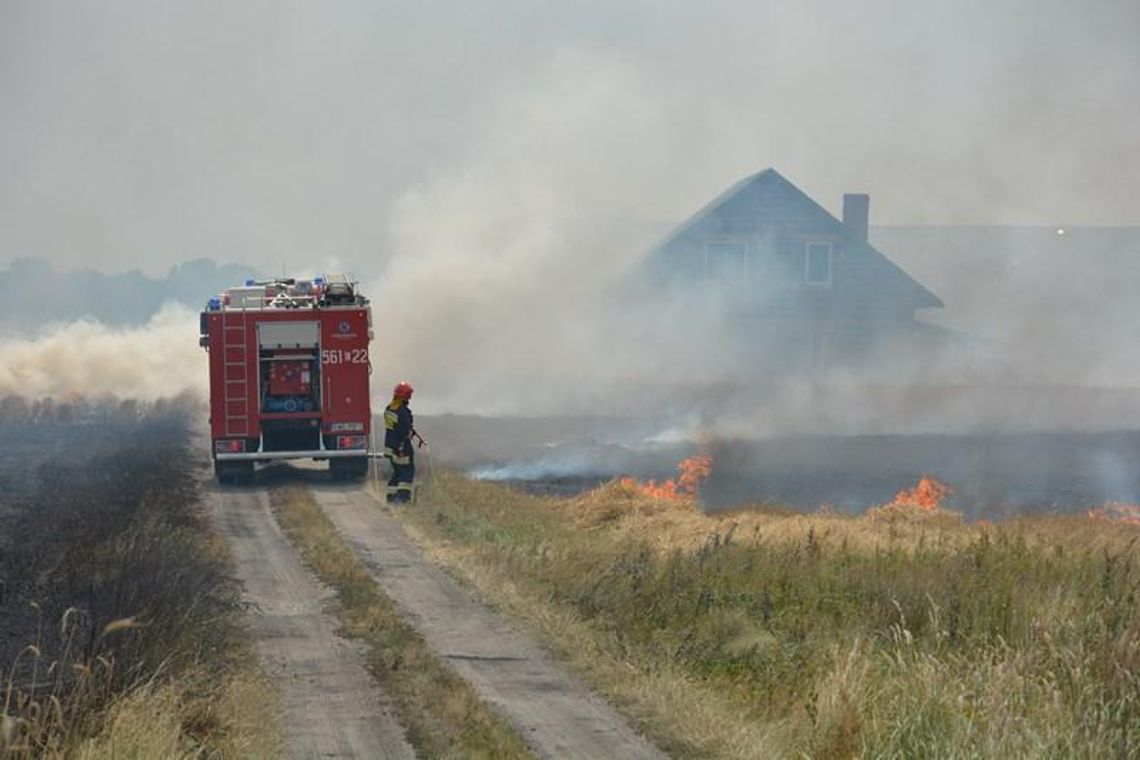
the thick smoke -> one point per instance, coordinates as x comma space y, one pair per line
87, 359
522, 163
1050, 305
501, 293
516, 287
516, 283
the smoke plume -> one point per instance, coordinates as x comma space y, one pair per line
515, 286
84, 358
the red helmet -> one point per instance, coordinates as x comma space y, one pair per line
402, 390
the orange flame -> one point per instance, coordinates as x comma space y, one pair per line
691, 473
1118, 512
928, 495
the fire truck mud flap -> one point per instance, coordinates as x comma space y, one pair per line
233, 473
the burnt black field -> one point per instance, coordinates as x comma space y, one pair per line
992, 474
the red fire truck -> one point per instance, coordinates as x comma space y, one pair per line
289, 375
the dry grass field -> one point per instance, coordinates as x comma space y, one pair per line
119, 623
904, 632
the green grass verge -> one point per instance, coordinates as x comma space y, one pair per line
442, 714
892, 635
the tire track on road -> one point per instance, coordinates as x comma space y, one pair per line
555, 713
332, 707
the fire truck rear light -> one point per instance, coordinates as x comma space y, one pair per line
233, 446
351, 442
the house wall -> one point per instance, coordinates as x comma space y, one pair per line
773, 307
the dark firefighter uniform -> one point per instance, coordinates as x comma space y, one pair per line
398, 447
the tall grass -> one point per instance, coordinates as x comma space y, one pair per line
898, 634
120, 621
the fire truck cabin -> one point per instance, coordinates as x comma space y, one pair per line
289, 371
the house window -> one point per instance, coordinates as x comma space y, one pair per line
724, 260
817, 264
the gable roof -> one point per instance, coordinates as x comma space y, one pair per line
874, 263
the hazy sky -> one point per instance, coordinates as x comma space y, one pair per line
139, 134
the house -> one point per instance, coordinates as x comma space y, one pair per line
796, 283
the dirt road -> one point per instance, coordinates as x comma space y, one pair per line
332, 707
555, 714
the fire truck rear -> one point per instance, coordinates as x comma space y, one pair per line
289, 374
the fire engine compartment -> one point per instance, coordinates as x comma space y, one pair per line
290, 400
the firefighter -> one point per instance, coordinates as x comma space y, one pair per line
398, 434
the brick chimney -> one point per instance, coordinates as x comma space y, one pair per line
856, 210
